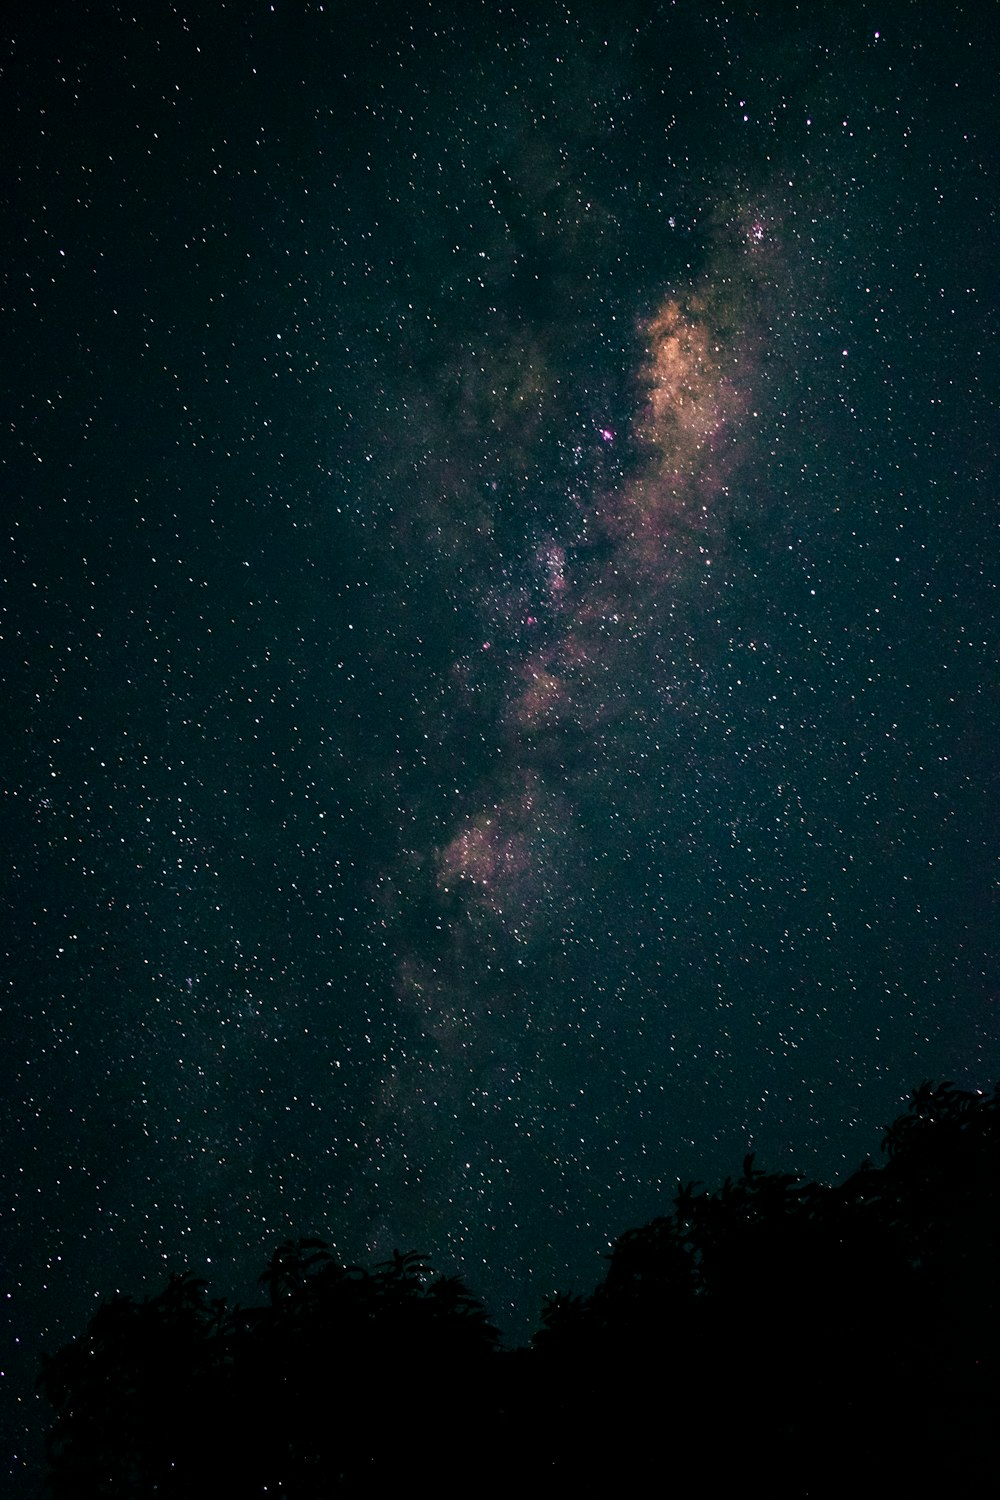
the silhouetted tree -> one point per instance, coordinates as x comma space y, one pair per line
335, 1381
856, 1325
817, 1336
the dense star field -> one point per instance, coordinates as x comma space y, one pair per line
499, 651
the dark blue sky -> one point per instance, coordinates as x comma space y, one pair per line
499, 630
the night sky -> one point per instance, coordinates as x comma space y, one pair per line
498, 624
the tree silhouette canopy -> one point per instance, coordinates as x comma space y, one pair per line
819, 1334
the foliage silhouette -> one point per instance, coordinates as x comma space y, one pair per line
824, 1334
867, 1307
177, 1396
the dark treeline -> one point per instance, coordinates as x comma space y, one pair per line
802, 1336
